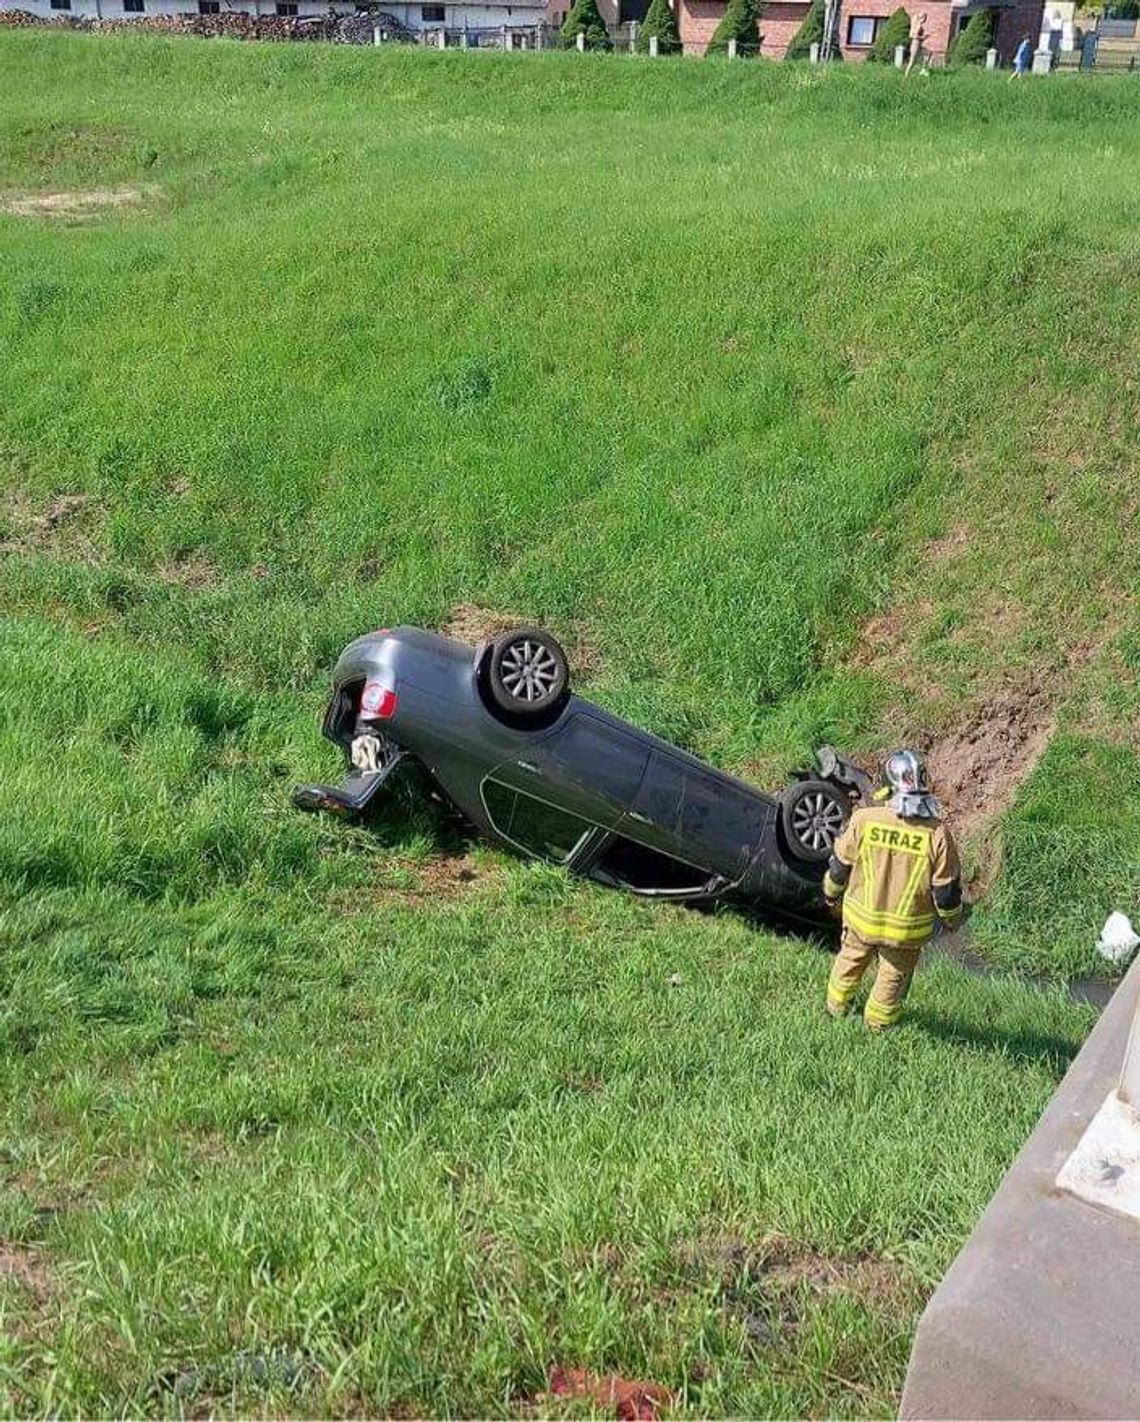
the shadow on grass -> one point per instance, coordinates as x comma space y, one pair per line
1024, 1046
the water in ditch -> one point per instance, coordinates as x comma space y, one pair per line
1093, 992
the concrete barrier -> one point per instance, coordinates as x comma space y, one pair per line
1036, 1318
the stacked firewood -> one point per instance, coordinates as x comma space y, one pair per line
331, 28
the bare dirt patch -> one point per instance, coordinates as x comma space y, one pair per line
771, 1288
75, 206
25, 1267
950, 545
785, 1266
886, 636
445, 876
192, 571
469, 622
983, 719
779, 1267
978, 766
63, 527
440, 878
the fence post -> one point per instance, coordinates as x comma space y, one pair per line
732, 49
653, 47
991, 58
375, 34
508, 39
463, 39
813, 53
581, 41
900, 56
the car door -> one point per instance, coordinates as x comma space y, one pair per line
588, 766
698, 815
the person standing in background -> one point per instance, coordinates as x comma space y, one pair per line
1023, 58
919, 54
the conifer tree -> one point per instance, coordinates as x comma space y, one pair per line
739, 23
585, 18
660, 21
971, 45
809, 33
895, 32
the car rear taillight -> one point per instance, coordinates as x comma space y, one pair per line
378, 701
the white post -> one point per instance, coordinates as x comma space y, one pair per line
991, 58
653, 46
375, 34
463, 39
633, 36
508, 39
813, 53
522, 41
581, 41
900, 56
732, 49
442, 41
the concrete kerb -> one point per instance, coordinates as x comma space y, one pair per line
1036, 1316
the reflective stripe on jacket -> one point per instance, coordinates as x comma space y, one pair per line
897, 869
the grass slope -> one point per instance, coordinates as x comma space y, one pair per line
692, 362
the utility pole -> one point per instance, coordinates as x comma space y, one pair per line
829, 44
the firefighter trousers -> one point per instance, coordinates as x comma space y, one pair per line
892, 980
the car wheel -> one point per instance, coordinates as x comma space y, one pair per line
527, 674
813, 815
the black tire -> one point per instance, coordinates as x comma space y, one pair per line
812, 815
528, 676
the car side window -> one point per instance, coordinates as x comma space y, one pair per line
634, 866
538, 827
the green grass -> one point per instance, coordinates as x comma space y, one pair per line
691, 362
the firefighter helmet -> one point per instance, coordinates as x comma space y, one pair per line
908, 786
905, 773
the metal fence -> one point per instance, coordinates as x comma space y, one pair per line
1102, 52
509, 37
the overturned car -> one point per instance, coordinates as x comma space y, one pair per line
497, 732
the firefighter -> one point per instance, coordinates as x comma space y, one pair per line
895, 867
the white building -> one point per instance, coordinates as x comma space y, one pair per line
1057, 26
468, 17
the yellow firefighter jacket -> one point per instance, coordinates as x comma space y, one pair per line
894, 875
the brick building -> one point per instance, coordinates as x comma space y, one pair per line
859, 21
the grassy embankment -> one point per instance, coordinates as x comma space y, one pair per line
703, 365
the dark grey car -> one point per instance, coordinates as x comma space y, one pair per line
498, 733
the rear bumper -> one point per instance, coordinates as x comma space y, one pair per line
353, 795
